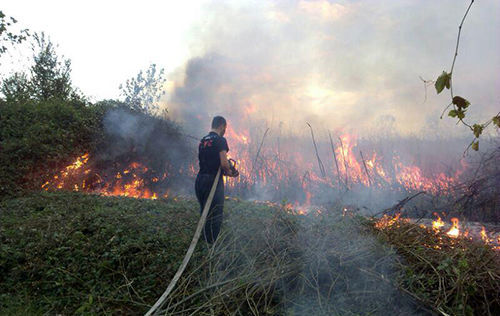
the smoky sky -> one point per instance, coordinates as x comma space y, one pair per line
341, 65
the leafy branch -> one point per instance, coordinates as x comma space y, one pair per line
7, 36
459, 104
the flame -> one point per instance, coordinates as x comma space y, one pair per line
275, 167
388, 221
455, 229
131, 181
486, 239
138, 180
437, 224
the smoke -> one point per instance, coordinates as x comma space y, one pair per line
339, 65
157, 144
349, 272
317, 264
127, 130
349, 67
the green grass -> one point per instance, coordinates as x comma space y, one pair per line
70, 252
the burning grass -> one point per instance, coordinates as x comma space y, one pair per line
452, 273
72, 252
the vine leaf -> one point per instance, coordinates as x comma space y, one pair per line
461, 114
460, 102
475, 145
496, 120
477, 129
443, 81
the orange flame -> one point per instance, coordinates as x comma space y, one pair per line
130, 182
455, 229
437, 224
484, 235
388, 221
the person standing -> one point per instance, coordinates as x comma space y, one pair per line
212, 155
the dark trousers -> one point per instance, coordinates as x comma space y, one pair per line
213, 224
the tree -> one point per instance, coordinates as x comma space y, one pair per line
50, 76
6, 36
16, 88
143, 92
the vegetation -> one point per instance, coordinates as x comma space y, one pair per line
38, 137
49, 77
46, 123
455, 276
459, 104
7, 36
143, 92
86, 254
70, 252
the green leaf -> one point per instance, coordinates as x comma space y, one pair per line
443, 81
477, 129
496, 120
475, 146
453, 113
460, 102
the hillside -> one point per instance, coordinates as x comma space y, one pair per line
87, 254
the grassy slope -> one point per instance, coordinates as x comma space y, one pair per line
68, 251
71, 252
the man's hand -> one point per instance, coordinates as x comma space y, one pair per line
227, 169
231, 173
225, 165
234, 173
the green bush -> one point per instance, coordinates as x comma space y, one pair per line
38, 137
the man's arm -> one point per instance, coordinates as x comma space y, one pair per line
225, 164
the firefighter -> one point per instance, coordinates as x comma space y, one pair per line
212, 155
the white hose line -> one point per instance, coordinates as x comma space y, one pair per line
190, 250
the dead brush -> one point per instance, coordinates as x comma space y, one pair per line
277, 263
239, 274
456, 276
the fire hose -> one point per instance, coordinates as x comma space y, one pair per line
191, 248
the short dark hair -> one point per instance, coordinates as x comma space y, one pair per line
218, 121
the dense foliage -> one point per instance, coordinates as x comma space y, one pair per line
70, 252
38, 137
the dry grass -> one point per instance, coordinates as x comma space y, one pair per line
455, 276
279, 263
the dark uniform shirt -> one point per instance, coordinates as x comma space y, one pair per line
208, 152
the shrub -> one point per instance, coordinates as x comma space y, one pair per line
38, 137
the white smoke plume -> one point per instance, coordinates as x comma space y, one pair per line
341, 65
